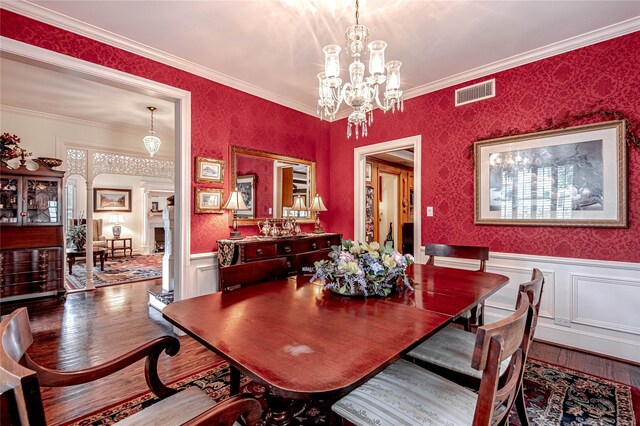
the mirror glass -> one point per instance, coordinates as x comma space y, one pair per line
270, 184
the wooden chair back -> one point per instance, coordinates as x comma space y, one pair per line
480, 253
495, 343
305, 261
243, 274
19, 386
533, 290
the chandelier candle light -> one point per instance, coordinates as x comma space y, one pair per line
235, 203
151, 141
360, 92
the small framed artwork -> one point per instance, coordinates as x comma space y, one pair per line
569, 177
209, 200
367, 172
154, 206
111, 200
209, 170
247, 187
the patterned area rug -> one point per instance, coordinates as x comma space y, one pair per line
119, 270
555, 396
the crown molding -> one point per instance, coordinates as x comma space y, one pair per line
77, 121
47, 16
573, 43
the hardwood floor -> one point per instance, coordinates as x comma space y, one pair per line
93, 327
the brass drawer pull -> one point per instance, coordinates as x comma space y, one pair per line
259, 251
287, 249
314, 246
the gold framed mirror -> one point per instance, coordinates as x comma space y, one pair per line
270, 183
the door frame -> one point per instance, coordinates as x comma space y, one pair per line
359, 184
15, 50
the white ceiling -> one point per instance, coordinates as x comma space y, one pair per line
272, 48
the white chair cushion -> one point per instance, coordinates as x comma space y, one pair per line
405, 394
173, 410
451, 348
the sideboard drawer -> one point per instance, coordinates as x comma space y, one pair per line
259, 251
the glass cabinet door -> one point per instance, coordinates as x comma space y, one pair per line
42, 201
10, 200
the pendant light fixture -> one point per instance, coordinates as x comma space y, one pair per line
360, 93
151, 141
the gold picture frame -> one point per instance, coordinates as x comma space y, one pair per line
209, 170
569, 177
209, 200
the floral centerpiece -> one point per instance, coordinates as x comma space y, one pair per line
10, 149
363, 269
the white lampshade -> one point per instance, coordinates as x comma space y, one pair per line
116, 218
298, 204
235, 201
317, 205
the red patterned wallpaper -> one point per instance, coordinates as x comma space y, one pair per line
607, 72
221, 116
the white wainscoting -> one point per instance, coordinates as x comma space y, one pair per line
203, 273
587, 304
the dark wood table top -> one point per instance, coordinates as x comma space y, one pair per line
447, 290
303, 342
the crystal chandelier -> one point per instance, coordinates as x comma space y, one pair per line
151, 141
360, 92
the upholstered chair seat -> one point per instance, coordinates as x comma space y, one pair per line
176, 409
451, 348
405, 394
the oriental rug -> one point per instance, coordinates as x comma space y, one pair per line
119, 270
555, 396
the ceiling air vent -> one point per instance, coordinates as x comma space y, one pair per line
477, 92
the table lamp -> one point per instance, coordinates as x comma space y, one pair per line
298, 206
235, 203
116, 218
317, 206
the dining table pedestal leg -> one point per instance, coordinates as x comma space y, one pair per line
279, 413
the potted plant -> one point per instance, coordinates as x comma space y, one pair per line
77, 235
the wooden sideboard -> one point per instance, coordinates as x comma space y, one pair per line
231, 252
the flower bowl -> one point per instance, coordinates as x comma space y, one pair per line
362, 270
51, 162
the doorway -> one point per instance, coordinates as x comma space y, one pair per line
39, 57
388, 169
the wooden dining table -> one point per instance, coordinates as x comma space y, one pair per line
303, 342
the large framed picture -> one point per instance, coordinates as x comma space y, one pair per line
246, 185
111, 200
568, 177
209, 170
209, 200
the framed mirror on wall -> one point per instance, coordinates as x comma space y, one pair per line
270, 183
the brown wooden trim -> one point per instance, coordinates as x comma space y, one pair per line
587, 352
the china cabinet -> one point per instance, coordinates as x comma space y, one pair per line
31, 231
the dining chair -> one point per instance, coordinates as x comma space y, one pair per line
474, 316
236, 276
406, 394
243, 274
21, 379
449, 352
